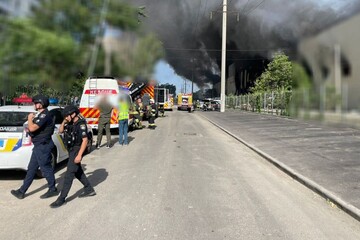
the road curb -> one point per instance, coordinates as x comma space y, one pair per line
326, 194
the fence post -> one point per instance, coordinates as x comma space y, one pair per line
322, 100
345, 100
272, 102
265, 107
247, 102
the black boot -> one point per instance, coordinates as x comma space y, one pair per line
87, 194
58, 203
18, 194
50, 193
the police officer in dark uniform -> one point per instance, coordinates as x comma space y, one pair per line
76, 139
41, 127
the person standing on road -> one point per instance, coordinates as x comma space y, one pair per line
41, 128
123, 117
152, 114
105, 109
76, 140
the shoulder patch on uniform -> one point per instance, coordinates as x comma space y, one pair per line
82, 126
42, 115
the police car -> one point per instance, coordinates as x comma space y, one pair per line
15, 143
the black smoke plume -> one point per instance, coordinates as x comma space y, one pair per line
256, 28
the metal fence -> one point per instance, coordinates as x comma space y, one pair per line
291, 103
276, 103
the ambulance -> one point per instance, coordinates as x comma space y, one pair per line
94, 88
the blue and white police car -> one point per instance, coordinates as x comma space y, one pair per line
15, 143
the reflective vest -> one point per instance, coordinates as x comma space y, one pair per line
123, 111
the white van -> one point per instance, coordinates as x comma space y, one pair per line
94, 88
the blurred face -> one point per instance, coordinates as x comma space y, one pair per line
37, 106
70, 117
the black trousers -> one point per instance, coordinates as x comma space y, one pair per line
40, 157
74, 170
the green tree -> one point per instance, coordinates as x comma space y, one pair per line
138, 58
300, 78
171, 87
32, 55
278, 75
147, 52
82, 18
56, 41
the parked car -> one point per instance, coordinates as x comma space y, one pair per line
215, 104
15, 143
206, 106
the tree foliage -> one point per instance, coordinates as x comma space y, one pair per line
278, 75
139, 58
301, 79
32, 55
171, 87
81, 18
148, 51
56, 41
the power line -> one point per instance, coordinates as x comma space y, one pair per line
197, 19
251, 10
245, 6
205, 9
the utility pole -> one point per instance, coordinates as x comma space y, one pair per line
337, 73
192, 76
192, 82
184, 85
98, 37
223, 57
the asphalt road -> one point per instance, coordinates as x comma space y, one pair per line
185, 180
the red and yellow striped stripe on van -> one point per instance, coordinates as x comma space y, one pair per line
92, 115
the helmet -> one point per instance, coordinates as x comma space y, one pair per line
44, 101
68, 110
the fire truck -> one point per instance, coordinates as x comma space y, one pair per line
164, 99
185, 102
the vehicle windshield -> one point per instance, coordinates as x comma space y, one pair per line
13, 118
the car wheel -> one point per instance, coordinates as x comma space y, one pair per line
53, 164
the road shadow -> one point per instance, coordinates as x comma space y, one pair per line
59, 167
95, 178
113, 141
116, 140
7, 175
